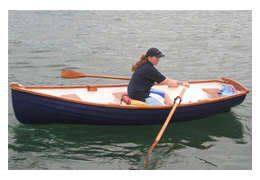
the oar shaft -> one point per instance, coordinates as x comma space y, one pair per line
108, 77
75, 74
157, 139
166, 122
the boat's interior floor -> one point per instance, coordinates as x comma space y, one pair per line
104, 95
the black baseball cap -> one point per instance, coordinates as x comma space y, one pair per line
154, 52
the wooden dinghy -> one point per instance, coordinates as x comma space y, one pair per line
101, 104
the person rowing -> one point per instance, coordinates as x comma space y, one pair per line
144, 77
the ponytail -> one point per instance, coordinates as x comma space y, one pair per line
139, 63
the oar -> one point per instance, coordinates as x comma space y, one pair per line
177, 101
74, 74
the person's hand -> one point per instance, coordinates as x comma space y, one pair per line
186, 84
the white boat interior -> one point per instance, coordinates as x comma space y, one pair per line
105, 95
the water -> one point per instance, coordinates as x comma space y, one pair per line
197, 44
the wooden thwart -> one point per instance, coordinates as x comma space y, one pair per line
213, 92
119, 95
71, 96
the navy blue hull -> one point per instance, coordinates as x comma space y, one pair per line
35, 109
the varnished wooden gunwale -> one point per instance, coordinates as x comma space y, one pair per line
243, 91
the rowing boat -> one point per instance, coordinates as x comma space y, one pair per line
103, 105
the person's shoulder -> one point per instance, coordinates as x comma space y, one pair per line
148, 65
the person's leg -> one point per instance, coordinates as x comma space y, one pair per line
167, 99
154, 101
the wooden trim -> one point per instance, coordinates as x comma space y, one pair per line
14, 85
92, 88
207, 81
237, 85
213, 92
71, 96
55, 87
72, 87
172, 86
243, 91
119, 95
130, 106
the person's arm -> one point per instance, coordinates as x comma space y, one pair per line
172, 82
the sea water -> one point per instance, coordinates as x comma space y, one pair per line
198, 45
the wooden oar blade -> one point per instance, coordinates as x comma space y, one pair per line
149, 152
72, 74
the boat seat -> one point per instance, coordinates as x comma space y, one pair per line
213, 92
123, 96
71, 96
